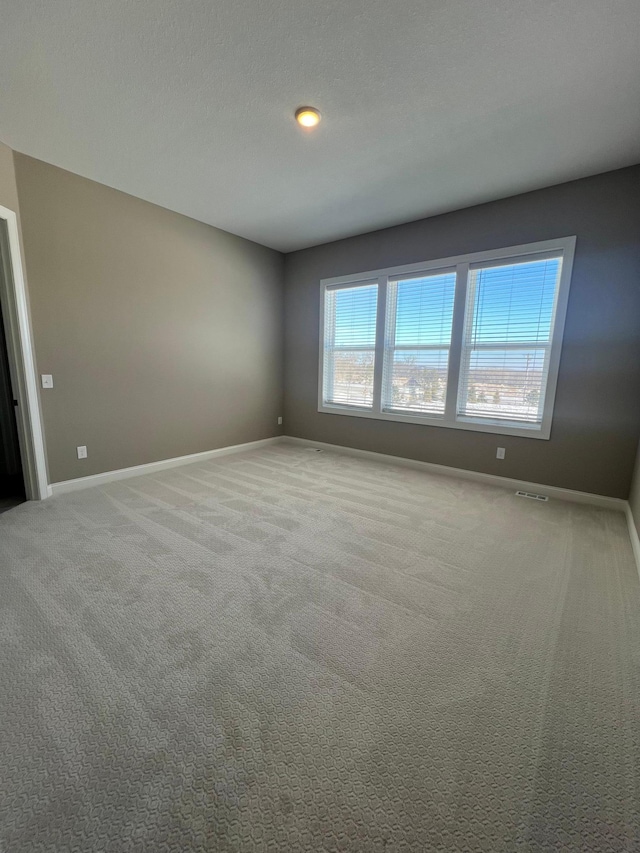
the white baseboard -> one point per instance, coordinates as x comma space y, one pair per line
633, 533
152, 467
492, 479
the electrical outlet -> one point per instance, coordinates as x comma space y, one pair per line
47, 380
82, 452
280, 421
500, 453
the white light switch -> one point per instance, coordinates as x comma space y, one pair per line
500, 453
82, 452
47, 380
279, 421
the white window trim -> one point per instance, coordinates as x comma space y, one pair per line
461, 263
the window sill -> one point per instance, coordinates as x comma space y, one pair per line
469, 424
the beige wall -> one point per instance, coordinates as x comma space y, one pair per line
597, 414
163, 335
634, 497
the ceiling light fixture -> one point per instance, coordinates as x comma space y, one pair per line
308, 116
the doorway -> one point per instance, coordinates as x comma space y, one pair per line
12, 491
23, 467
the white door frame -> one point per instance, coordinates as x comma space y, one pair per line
17, 323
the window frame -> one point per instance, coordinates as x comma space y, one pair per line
462, 264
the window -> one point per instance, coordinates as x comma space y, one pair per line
350, 344
417, 341
471, 342
507, 340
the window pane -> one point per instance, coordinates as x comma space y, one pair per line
418, 335
507, 339
355, 315
352, 372
424, 310
418, 381
349, 345
513, 303
505, 384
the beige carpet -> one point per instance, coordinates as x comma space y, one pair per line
295, 651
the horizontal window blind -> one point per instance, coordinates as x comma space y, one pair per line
419, 318
349, 345
507, 339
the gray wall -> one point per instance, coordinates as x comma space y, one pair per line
597, 413
163, 335
634, 497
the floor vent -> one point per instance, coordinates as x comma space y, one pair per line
532, 495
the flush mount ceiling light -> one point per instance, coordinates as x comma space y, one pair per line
308, 116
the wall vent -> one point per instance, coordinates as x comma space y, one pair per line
532, 495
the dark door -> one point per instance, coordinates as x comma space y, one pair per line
11, 479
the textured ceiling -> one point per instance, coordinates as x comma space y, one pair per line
428, 105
